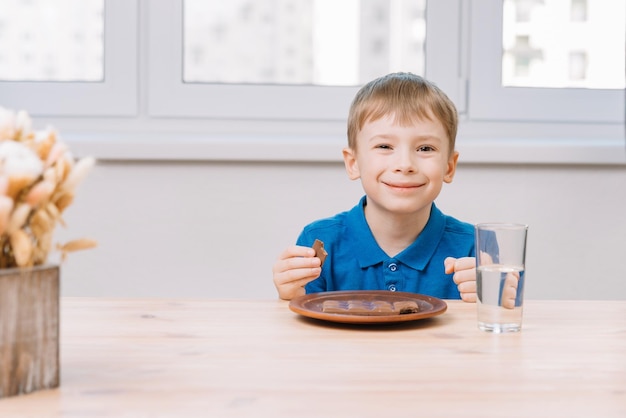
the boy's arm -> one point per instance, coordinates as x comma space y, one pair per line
295, 267
464, 270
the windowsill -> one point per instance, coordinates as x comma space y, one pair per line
272, 148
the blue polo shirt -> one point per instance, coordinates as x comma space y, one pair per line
356, 262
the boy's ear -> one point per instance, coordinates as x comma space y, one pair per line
451, 167
352, 167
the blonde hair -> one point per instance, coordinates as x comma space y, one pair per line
406, 96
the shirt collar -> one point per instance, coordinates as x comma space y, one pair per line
416, 256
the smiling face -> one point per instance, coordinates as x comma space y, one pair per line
402, 166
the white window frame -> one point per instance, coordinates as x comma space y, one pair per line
117, 95
170, 97
144, 112
445, 55
488, 100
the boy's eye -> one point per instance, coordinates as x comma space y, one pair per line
383, 146
425, 148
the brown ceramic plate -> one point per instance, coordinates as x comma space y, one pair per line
311, 306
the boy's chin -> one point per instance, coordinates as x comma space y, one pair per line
405, 209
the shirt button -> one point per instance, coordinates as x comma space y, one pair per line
392, 287
393, 267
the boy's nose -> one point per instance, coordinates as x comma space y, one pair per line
405, 163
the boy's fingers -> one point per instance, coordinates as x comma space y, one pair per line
294, 278
449, 264
509, 293
468, 297
457, 264
464, 270
296, 257
300, 263
467, 287
295, 268
297, 251
464, 263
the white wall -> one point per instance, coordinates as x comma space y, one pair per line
214, 229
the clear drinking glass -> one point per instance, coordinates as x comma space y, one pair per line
500, 275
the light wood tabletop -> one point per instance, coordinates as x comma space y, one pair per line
252, 358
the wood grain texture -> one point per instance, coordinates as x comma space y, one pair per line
256, 358
29, 330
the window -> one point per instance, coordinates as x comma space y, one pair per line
287, 59
66, 59
40, 42
553, 49
557, 57
317, 42
196, 71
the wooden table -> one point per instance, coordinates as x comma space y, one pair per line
253, 358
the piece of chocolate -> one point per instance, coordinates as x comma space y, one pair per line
372, 307
405, 307
334, 306
320, 252
357, 307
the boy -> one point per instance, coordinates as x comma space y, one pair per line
401, 135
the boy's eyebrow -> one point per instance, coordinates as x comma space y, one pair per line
382, 136
429, 137
425, 137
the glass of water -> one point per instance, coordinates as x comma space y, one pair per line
500, 271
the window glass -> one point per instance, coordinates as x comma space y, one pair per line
61, 40
314, 42
569, 44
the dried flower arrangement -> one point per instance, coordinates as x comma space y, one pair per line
38, 179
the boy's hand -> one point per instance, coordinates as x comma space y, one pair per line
464, 270
509, 292
295, 267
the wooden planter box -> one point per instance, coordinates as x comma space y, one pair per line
29, 329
